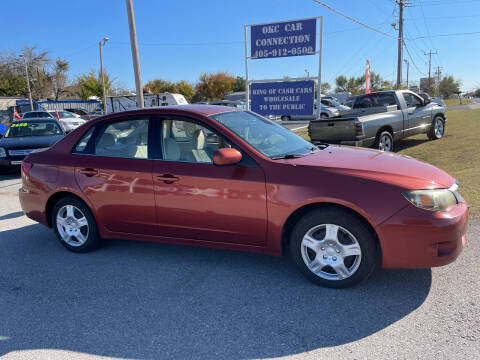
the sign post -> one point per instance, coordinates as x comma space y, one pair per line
283, 39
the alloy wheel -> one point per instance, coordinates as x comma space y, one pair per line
331, 252
72, 225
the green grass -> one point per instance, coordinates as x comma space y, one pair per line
456, 102
458, 153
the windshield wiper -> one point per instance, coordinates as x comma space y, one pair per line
288, 156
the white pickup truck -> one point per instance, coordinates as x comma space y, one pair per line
380, 118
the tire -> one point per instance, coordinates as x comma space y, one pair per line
70, 231
352, 236
437, 129
384, 141
285, 118
323, 116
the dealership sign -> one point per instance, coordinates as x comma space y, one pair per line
282, 98
283, 39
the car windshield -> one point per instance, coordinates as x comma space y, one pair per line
266, 136
29, 129
334, 101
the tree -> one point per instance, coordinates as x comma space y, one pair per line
477, 92
239, 84
183, 87
341, 84
91, 85
325, 88
158, 86
214, 86
59, 77
41, 82
449, 86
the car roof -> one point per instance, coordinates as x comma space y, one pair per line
201, 109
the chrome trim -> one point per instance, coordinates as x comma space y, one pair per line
22, 151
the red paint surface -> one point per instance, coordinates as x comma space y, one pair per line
243, 207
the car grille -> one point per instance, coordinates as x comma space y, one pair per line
21, 152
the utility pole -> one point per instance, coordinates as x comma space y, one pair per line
136, 61
408, 68
100, 44
28, 82
438, 74
429, 66
401, 4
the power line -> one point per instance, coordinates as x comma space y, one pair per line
411, 58
439, 35
354, 20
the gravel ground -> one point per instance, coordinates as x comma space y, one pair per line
154, 301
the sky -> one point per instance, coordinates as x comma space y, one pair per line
182, 39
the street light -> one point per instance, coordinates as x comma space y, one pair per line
28, 81
100, 44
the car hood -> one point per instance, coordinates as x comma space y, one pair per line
401, 170
29, 142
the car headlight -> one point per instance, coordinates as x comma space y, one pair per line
3, 152
434, 199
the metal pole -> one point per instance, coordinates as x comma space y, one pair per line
408, 67
103, 80
247, 87
136, 61
400, 43
319, 86
28, 83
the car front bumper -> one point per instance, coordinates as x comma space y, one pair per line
417, 238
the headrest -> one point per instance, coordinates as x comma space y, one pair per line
198, 140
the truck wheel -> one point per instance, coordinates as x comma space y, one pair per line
333, 248
384, 141
437, 129
285, 118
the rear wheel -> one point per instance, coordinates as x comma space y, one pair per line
323, 116
437, 129
285, 118
333, 248
74, 225
384, 141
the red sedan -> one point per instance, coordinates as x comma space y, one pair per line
227, 178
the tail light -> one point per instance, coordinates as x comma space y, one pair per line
359, 129
26, 166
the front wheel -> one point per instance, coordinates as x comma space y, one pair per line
333, 248
285, 118
437, 129
74, 225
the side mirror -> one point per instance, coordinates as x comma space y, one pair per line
227, 156
426, 101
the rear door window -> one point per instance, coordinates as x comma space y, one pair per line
124, 139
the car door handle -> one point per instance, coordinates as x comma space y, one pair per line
88, 172
167, 178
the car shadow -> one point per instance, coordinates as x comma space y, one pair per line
408, 143
11, 215
144, 300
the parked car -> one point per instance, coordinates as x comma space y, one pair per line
243, 182
86, 115
68, 120
436, 100
231, 103
331, 102
41, 114
378, 119
326, 112
24, 136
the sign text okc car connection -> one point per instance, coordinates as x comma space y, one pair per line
291, 38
